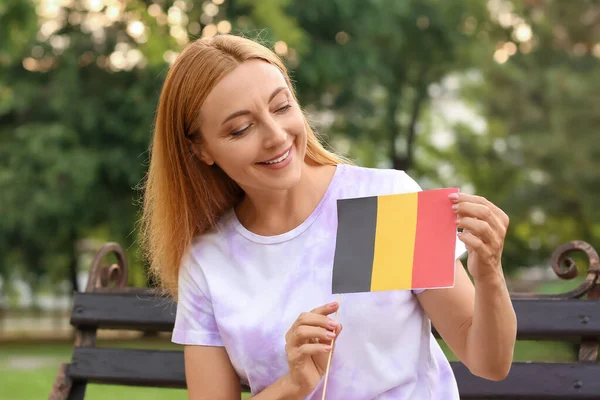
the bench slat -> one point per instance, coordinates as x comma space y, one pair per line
156, 368
130, 367
533, 381
558, 381
557, 318
135, 311
537, 319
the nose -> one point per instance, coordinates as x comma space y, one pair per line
274, 134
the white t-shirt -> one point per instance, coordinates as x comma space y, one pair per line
243, 291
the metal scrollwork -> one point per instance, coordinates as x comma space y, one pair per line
102, 275
565, 268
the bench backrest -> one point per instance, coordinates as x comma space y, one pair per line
539, 319
557, 318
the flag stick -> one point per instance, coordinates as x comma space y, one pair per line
331, 352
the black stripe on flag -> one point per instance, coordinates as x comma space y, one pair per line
355, 245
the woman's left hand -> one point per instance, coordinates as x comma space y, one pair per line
484, 229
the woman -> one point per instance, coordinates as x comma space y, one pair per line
240, 223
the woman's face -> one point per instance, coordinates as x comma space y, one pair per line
253, 129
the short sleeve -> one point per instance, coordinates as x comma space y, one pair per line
195, 322
406, 184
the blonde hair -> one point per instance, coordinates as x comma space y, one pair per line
184, 197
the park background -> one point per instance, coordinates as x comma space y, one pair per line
500, 98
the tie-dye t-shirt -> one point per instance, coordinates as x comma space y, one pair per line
243, 291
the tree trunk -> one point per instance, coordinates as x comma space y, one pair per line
392, 125
414, 117
73, 262
32, 259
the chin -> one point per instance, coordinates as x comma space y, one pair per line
288, 180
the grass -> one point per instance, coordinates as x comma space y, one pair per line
530, 350
36, 384
560, 286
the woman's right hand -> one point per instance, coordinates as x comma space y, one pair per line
308, 343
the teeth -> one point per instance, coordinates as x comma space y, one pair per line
280, 159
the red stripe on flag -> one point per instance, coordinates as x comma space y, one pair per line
435, 240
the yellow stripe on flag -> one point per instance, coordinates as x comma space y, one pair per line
394, 242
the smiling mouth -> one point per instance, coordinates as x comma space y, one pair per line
279, 159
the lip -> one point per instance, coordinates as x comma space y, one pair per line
277, 156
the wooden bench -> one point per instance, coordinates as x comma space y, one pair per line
108, 304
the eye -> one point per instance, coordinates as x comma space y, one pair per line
284, 108
241, 131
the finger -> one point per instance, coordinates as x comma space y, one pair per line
479, 228
311, 319
305, 333
473, 243
326, 309
297, 354
337, 332
471, 198
482, 212
323, 310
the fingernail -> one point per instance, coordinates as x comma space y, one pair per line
333, 324
455, 207
327, 349
453, 196
333, 304
457, 221
331, 334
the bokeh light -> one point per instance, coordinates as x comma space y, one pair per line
224, 27
510, 48
194, 28
342, 37
281, 48
209, 30
210, 9
523, 33
136, 29
94, 5
501, 56
154, 10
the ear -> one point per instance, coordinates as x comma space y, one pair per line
201, 153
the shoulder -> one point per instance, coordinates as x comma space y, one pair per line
206, 250
365, 181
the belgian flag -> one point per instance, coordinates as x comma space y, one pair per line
395, 242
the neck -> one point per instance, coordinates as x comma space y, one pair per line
274, 213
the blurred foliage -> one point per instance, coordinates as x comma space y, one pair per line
538, 156
384, 80
371, 63
76, 111
18, 20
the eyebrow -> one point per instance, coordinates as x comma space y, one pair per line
245, 112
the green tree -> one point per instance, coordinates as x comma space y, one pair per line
371, 63
77, 101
